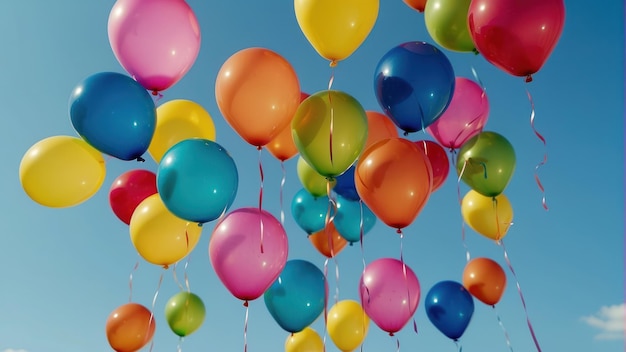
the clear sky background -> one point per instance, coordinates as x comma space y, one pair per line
66, 269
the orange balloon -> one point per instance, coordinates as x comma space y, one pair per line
379, 127
130, 327
485, 280
282, 147
394, 179
328, 241
258, 93
418, 5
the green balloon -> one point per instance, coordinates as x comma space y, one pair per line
446, 22
184, 313
486, 163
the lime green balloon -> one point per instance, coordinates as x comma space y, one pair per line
446, 22
184, 313
330, 130
486, 163
316, 184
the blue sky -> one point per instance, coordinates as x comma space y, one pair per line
67, 269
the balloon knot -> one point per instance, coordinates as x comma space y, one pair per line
166, 266
259, 147
245, 303
475, 51
140, 159
155, 92
529, 78
406, 133
333, 63
391, 334
399, 231
200, 224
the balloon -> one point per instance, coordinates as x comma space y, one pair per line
449, 308
414, 83
394, 179
328, 241
485, 280
379, 127
184, 313
282, 146
258, 92
298, 296
178, 120
353, 219
418, 5
465, 117
489, 216
248, 251
446, 22
347, 324
159, 236
310, 212
516, 36
313, 182
114, 114
486, 163
156, 41
129, 190
61, 171
307, 340
345, 185
130, 327
336, 29
438, 161
330, 129
197, 180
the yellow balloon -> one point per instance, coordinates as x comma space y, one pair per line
178, 120
489, 216
159, 236
313, 182
61, 171
347, 324
307, 340
335, 28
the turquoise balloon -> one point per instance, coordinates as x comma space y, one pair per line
310, 212
350, 215
184, 313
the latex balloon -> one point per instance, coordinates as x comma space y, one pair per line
130, 327
347, 324
307, 340
390, 293
61, 171
446, 22
184, 313
328, 241
282, 146
418, 5
414, 83
155, 41
353, 219
129, 190
394, 178
345, 184
336, 29
114, 114
257, 92
330, 129
438, 159
449, 308
248, 250
298, 297
465, 117
309, 212
486, 163
178, 120
379, 127
489, 216
312, 181
159, 236
485, 280
514, 35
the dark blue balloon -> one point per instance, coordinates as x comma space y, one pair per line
352, 218
345, 185
114, 114
449, 306
297, 297
414, 84
310, 212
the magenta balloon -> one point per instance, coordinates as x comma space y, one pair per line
248, 251
465, 117
156, 41
390, 293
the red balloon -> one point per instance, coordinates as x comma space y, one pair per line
516, 36
417, 5
130, 189
438, 161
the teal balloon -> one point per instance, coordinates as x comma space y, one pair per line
184, 313
310, 212
297, 298
352, 219
449, 307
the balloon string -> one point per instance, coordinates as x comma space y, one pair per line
397, 344
506, 334
458, 191
406, 279
545, 154
519, 290
361, 233
245, 328
180, 344
282, 188
499, 234
262, 177
156, 294
325, 300
458, 345
480, 82
332, 127
330, 216
186, 278
130, 282
157, 96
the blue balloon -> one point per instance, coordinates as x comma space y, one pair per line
298, 296
114, 114
197, 180
310, 212
345, 185
414, 83
349, 216
449, 306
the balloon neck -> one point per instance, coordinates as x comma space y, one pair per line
166, 266
140, 159
245, 303
475, 51
333, 63
155, 93
406, 133
391, 334
200, 224
529, 78
399, 231
259, 147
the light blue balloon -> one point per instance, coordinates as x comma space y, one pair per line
310, 212
197, 180
349, 216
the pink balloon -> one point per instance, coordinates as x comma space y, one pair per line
386, 286
465, 117
156, 41
246, 260
439, 161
